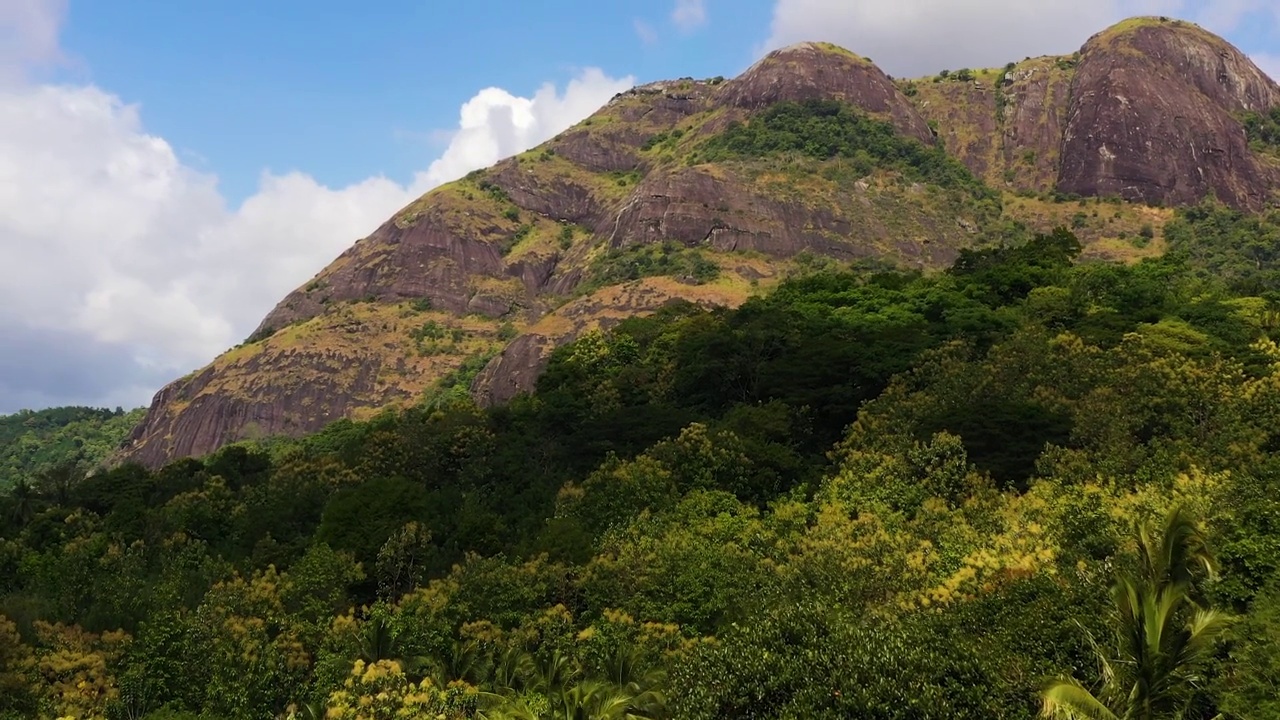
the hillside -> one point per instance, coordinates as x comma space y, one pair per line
32, 443
799, 508
714, 190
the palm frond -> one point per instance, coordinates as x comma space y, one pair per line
1068, 700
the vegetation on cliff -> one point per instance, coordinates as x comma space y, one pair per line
826, 129
1263, 130
799, 508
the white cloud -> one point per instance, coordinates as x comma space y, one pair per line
911, 38
645, 31
109, 241
28, 35
688, 15
495, 124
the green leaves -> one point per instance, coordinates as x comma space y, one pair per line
1162, 636
797, 659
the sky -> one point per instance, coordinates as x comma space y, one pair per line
170, 169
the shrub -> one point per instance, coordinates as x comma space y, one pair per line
640, 261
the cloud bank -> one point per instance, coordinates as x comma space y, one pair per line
122, 268
913, 38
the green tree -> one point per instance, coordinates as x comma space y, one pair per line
1250, 689
1162, 634
17, 666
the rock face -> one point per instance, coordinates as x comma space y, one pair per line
812, 71
517, 368
1147, 111
342, 363
1154, 118
1005, 125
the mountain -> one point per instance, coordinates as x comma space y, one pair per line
711, 190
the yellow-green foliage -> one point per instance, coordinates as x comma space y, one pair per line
818, 495
74, 666
381, 691
1110, 231
1129, 25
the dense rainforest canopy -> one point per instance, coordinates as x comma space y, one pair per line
39, 444
866, 494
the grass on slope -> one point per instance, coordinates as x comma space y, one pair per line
827, 129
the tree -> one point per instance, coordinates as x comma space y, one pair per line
402, 559
17, 668
1249, 690
1162, 634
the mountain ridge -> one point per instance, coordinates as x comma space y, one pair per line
513, 260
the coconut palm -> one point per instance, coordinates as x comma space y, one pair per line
24, 500
555, 689
1162, 633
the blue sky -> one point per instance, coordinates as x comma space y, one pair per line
170, 169
343, 93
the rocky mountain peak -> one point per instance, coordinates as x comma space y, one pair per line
1155, 114
822, 71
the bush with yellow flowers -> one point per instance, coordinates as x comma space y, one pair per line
382, 691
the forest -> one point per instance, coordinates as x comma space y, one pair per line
66, 440
1023, 486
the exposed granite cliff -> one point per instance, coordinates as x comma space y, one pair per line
1006, 124
1147, 111
810, 71
1154, 118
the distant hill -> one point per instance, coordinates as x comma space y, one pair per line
35, 441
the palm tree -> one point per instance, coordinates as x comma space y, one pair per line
1162, 633
466, 661
378, 641
555, 689
24, 501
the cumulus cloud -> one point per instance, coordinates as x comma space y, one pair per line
688, 15
41, 368
123, 267
910, 38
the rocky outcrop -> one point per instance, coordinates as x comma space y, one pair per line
1005, 125
1033, 104
191, 416
1148, 111
1154, 118
424, 259
709, 207
349, 361
517, 368
810, 71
